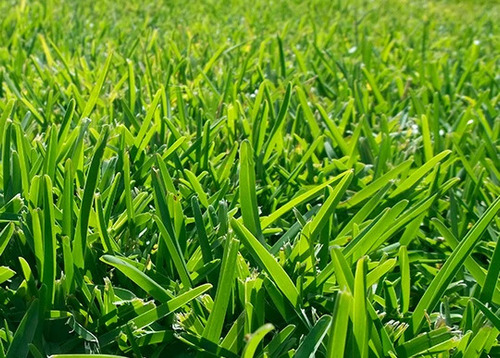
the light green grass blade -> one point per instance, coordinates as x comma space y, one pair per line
255, 339
492, 317
6, 273
279, 341
426, 137
374, 275
147, 120
168, 307
5, 236
49, 242
308, 114
278, 125
96, 90
424, 342
477, 343
339, 327
197, 188
491, 284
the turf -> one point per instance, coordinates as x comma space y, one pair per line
257, 179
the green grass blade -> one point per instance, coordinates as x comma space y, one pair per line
280, 341
68, 192
80, 243
426, 137
491, 285
492, 317
197, 188
175, 253
49, 242
248, 196
200, 229
91, 102
299, 199
168, 307
424, 342
313, 340
326, 211
374, 275
376, 185
418, 174
404, 267
267, 262
451, 266
147, 120
359, 315
213, 328
138, 277
472, 266
25, 332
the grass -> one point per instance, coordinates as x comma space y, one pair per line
265, 179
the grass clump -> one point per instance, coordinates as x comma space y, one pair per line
274, 179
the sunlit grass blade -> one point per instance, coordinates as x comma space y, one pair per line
89, 106
424, 342
6, 273
255, 339
5, 236
340, 323
49, 242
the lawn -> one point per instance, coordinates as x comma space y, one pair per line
249, 178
